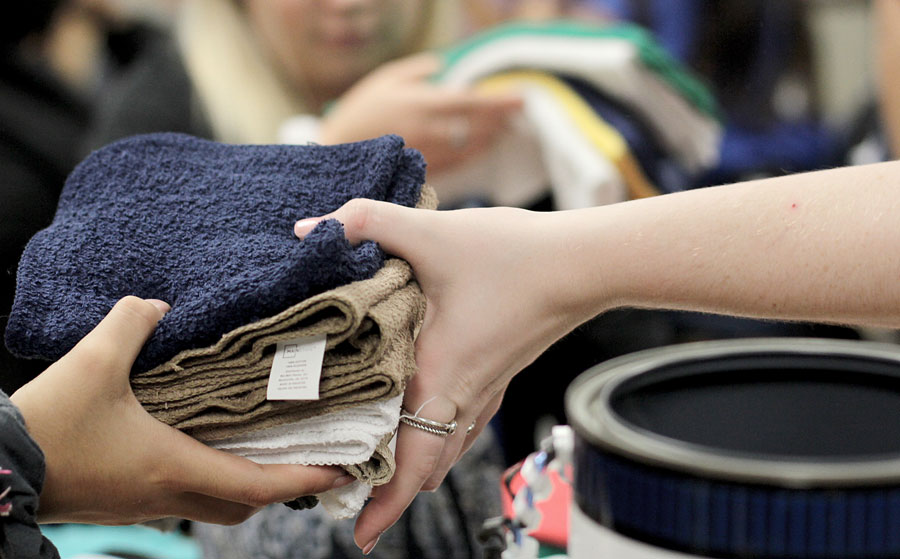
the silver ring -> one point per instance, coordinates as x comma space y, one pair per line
428, 425
471, 427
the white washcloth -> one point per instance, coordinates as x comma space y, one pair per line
344, 437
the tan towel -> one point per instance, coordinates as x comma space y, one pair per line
219, 391
379, 469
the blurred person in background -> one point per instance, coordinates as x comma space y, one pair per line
42, 118
56, 55
237, 71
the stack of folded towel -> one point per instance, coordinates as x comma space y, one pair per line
562, 140
207, 227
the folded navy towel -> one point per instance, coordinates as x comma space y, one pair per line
207, 227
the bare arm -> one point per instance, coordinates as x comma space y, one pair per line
817, 246
503, 284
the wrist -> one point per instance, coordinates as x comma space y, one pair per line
585, 263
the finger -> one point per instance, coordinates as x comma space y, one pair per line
203, 508
416, 67
204, 470
390, 225
417, 455
120, 336
482, 422
477, 104
456, 445
452, 447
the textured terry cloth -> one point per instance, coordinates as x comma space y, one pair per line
345, 502
204, 226
344, 437
21, 482
623, 61
220, 391
356, 437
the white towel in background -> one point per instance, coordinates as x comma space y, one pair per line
546, 149
613, 65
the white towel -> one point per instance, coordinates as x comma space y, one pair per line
345, 437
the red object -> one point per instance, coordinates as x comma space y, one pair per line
554, 527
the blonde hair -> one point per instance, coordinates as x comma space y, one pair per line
241, 91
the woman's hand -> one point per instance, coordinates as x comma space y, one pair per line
480, 327
447, 125
110, 462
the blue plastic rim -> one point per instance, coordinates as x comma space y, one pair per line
763, 448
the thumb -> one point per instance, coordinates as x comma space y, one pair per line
392, 226
415, 67
123, 332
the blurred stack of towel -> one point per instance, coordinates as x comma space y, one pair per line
608, 116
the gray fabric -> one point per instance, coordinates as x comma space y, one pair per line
20, 536
430, 529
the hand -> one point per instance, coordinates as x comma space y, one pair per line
490, 312
446, 125
110, 462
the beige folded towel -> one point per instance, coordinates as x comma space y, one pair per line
220, 391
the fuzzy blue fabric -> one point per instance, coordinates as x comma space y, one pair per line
204, 226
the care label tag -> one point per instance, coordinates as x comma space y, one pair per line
296, 369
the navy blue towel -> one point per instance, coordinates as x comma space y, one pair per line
207, 227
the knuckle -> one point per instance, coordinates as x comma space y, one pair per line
92, 354
138, 309
357, 215
432, 485
165, 478
258, 495
425, 466
237, 515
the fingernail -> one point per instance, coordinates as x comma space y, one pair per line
370, 546
342, 481
304, 226
161, 305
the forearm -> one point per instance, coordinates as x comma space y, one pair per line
887, 18
818, 246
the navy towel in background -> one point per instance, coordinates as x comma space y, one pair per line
204, 226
